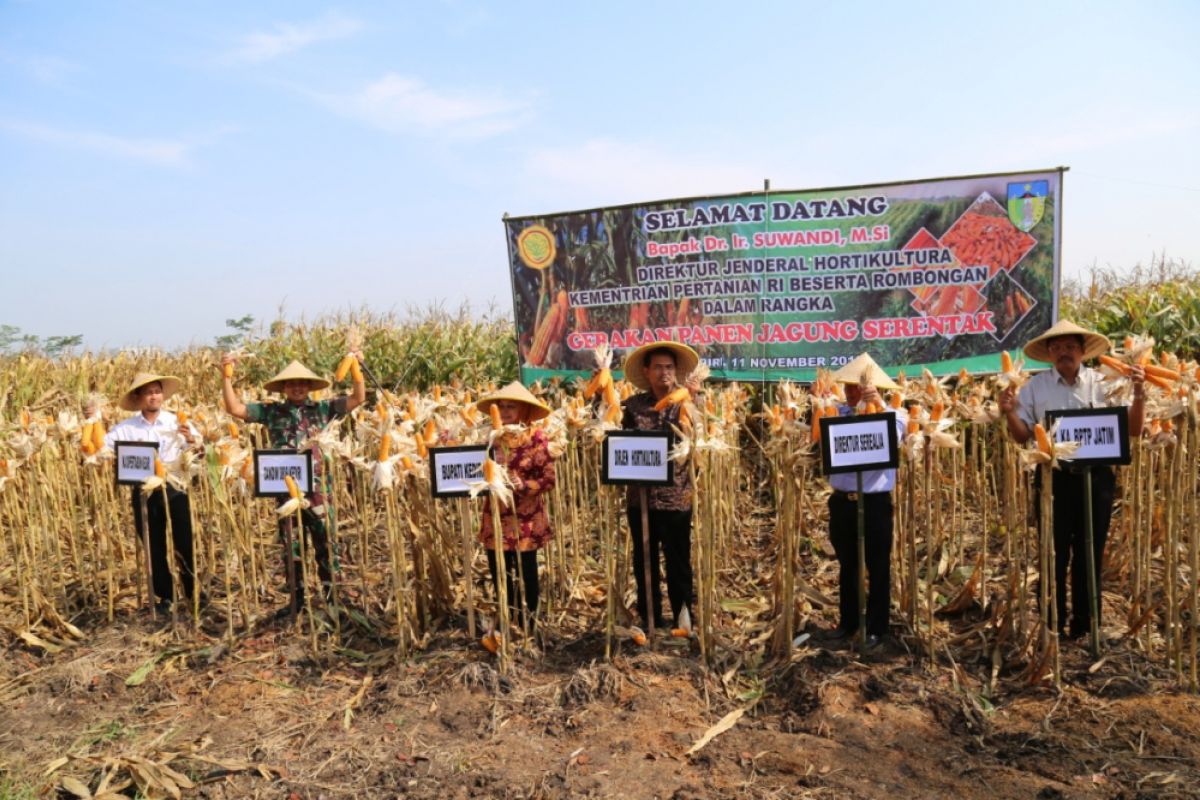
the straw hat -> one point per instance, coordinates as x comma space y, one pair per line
130, 402
518, 393
1094, 343
686, 360
864, 367
296, 371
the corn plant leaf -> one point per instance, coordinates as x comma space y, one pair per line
141, 673
75, 787
56, 764
36, 641
726, 722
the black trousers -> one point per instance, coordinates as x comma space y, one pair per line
843, 533
1070, 553
318, 538
181, 537
516, 592
670, 533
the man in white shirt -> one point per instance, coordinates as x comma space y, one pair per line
146, 395
863, 379
1070, 385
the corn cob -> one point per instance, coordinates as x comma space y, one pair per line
1043, 439
343, 368
551, 329
674, 398
1119, 366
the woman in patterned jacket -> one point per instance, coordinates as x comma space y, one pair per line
526, 528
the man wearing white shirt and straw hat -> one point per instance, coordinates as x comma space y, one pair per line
1071, 385
146, 395
863, 379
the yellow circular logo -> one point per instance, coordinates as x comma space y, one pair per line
535, 245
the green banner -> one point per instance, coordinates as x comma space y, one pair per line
942, 274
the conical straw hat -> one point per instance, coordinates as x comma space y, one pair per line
686, 360
864, 369
515, 391
1094, 344
296, 371
129, 401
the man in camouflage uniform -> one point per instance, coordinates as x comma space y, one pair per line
292, 425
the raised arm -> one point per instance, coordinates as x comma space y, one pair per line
1017, 428
233, 403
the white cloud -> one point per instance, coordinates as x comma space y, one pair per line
163, 152
614, 171
44, 69
399, 104
288, 37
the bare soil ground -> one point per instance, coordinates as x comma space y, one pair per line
265, 718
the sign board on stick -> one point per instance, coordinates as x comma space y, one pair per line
135, 461
272, 466
635, 458
859, 443
452, 470
1102, 434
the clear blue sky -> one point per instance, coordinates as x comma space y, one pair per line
166, 165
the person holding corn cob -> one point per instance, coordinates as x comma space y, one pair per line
293, 424
146, 395
863, 379
525, 452
1070, 385
662, 370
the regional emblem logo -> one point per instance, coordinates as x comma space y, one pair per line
536, 247
1027, 203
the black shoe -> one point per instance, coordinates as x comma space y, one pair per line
874, 642
162, 607
838, 634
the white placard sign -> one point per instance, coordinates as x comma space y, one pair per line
271, 467
859, 443
135, 461
452, 470
637, 457
1102, 434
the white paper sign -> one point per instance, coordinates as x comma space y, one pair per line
135, 461
1102, 434
856, 444
452, 470
271, 467
637, 457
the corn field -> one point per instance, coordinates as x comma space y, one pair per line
967, 562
